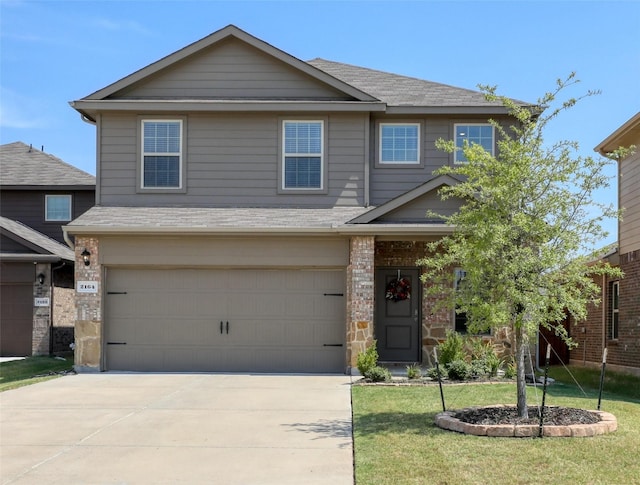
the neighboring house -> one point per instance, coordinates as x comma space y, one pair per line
260, 213
38, 193
615, 323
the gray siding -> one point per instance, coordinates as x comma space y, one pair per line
416, 211
232, 160
27, 207
389, 182
230, 70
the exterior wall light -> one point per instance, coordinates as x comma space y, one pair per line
41, 278
85, 257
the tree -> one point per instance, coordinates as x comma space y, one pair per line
527, 216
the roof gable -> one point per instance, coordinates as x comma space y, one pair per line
23, 165
412, 206
219, 43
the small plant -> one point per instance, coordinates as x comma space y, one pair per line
413, 372
458, 370
451, 349
478, 368
378, 374
493, 364
432, 373
368, 359
510, 369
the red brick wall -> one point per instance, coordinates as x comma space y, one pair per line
626, 351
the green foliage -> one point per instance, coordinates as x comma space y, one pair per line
432, 373
18, 373
368, 359
451, 349
378, 374
413, 372
510, 369
459, 370
528, 216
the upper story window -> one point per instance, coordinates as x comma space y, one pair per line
473, 133
303, 153
399, 143
57, 208
161, 154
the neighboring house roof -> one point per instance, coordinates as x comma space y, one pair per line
35, 241
624, 136
184, 220
24, 166
403, 91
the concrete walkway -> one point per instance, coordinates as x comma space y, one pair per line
178, 428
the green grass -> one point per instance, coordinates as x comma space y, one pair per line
396, 441
18, 373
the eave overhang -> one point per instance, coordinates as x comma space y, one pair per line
626, 135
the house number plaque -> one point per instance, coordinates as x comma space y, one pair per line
87, 287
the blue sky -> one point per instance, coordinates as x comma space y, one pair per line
53, 52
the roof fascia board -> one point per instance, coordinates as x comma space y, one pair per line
86, 107
345, 230
612, 142
48, 187
224, 33
448, 110
36, 258
403, 199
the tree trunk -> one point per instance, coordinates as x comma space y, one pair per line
521, 384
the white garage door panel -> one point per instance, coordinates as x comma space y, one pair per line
176, 320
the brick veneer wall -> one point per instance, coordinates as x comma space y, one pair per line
40, 333
360, 297
88, 329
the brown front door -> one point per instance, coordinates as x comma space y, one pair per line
397, 318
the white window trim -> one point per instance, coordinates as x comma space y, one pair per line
180, 154
46, 206
615, 309
455, 131
395, 164
285, 155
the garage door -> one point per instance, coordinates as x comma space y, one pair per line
16, 309
225, 320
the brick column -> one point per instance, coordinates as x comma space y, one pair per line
88, 327
360, 296
41, 330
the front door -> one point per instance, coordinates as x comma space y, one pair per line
397, 318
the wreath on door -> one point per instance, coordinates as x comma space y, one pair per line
398, 290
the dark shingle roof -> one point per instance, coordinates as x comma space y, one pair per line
21, 164
397, 90
36, 238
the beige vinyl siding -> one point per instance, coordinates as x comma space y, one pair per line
232, 160
231, 70
266, 252
630, 200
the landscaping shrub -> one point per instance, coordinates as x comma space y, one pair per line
368, 359
378, 374
458, 370
432, 373
451, 349
413, 372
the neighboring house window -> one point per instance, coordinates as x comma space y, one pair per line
303, 143
460, 317
161, 154
473, 133
57, 208
614, 293
399, 143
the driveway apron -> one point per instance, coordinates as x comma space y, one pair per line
178, 428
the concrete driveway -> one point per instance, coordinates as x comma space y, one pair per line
178, 428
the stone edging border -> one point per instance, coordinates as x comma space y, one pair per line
607, 424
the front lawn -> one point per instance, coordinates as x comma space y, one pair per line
396, 441
18, 373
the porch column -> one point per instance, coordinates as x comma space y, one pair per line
41, 330
360, 296
88, 328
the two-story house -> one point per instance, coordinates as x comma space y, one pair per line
256, 212
615, 323
38, 193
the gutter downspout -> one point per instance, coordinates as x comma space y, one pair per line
67, 240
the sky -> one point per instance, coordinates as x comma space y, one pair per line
53, 52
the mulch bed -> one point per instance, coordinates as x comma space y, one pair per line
553, 415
